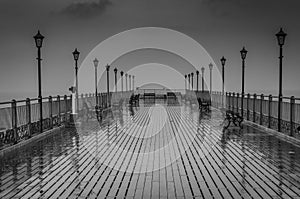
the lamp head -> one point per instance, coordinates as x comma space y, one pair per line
38, 39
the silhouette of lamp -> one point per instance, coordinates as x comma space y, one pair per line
76, 57
281, 39
223, 61
243, 56
39, 43
96, 62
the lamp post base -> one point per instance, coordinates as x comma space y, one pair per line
73, 120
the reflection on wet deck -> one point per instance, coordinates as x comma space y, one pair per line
153, 152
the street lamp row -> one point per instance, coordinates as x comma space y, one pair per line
281, 35
191, 79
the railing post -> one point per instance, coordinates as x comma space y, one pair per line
254, 112
28, 117
233, 97
261, 109
292, 115
237, 102
227, 101
66, 107
14, 120
248, 110
59, 110
270, 111
50, 112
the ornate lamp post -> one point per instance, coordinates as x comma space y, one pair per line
192, 75
210, 77
76, 57
96, 87
243, 56
126, 75
107, 78
133, 82
185, 76
281, 39
116, 70
129, 82
197, 73
39, 42
223, 60
122, 73
189, 76
202, 70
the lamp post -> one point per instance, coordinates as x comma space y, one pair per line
96, 87
107, 78
122, 73
280, 38
189, 76
116, 70
126, 75
185, 76
243, 56
39, 42
76, 57
223, 60
133, 82
210, 77
202, 70
197, 73
192, 75
129, 82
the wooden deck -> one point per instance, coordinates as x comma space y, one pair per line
157, 152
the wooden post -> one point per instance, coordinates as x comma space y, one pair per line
292, 115
270, 111
261, 109
14, 120
50, 112
28, 117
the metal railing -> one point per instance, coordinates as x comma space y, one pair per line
260, 109
263, 110
20, 120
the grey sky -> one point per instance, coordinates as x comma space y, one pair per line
221, 27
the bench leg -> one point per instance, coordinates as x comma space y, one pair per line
228, 123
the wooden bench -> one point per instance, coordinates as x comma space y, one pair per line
204, 100
204, 104
88, 111
232, 117
149, 95
134, 99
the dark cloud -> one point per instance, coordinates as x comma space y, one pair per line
86, 9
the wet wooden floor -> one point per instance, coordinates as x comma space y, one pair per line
154, 152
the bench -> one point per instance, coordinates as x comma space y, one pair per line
204, 100
172, 98
88, 111
232, 117
134, 99
149, 95
204, 104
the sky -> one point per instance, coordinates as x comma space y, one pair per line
221, 27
